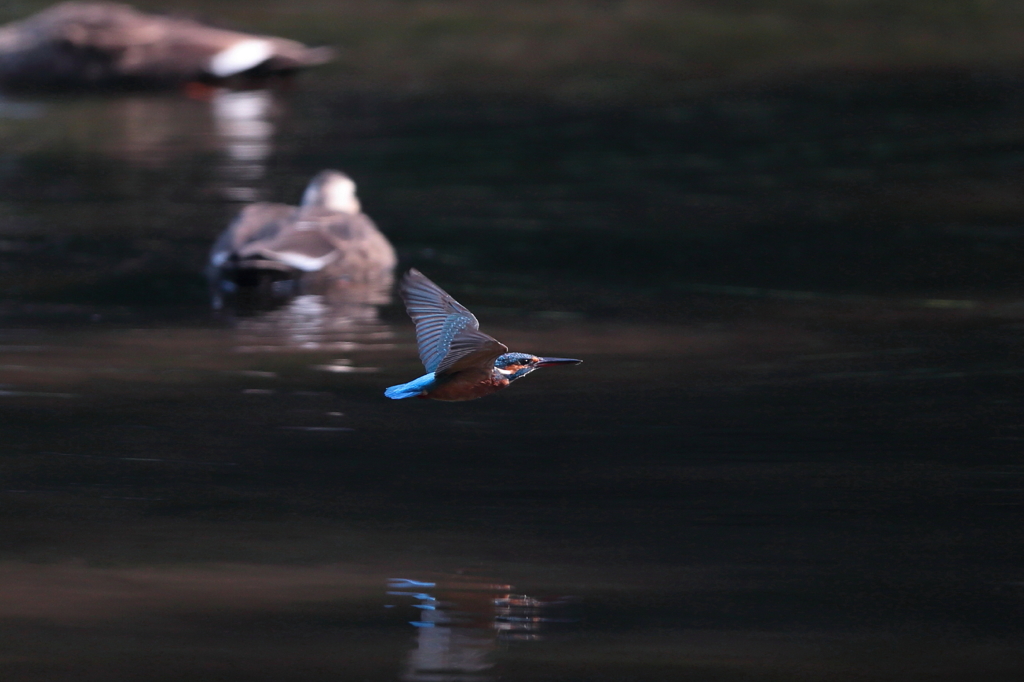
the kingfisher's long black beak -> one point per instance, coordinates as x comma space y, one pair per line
544, 362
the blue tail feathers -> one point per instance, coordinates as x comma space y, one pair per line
411, 389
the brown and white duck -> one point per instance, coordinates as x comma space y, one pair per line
95, 44
326, 236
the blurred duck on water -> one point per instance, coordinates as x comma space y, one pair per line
327, 239
462, 363
97, 44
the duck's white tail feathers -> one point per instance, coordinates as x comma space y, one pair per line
241, 56
411, 389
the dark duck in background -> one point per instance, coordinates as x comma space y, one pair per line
103, 44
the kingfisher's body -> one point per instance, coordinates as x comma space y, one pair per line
469, 384
462, 363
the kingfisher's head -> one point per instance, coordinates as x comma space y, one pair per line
515, 365
332, 190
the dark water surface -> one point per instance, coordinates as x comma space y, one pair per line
792, 451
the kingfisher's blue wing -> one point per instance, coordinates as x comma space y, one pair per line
448, 335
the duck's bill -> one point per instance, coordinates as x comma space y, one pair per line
544, 362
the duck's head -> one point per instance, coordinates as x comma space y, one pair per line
332, 190
516, 365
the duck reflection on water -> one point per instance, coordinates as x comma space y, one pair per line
244, 127
316, 322
235, 129
463, 620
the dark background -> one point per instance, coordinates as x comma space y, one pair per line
785, 238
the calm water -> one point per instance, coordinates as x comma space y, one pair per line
792, 451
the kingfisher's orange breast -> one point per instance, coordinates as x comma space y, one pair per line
468, 384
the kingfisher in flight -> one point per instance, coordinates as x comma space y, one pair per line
462, 362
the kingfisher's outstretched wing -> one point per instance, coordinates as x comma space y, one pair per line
448, 335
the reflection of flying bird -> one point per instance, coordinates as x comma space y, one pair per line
462, 362
327, 235
101, 43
